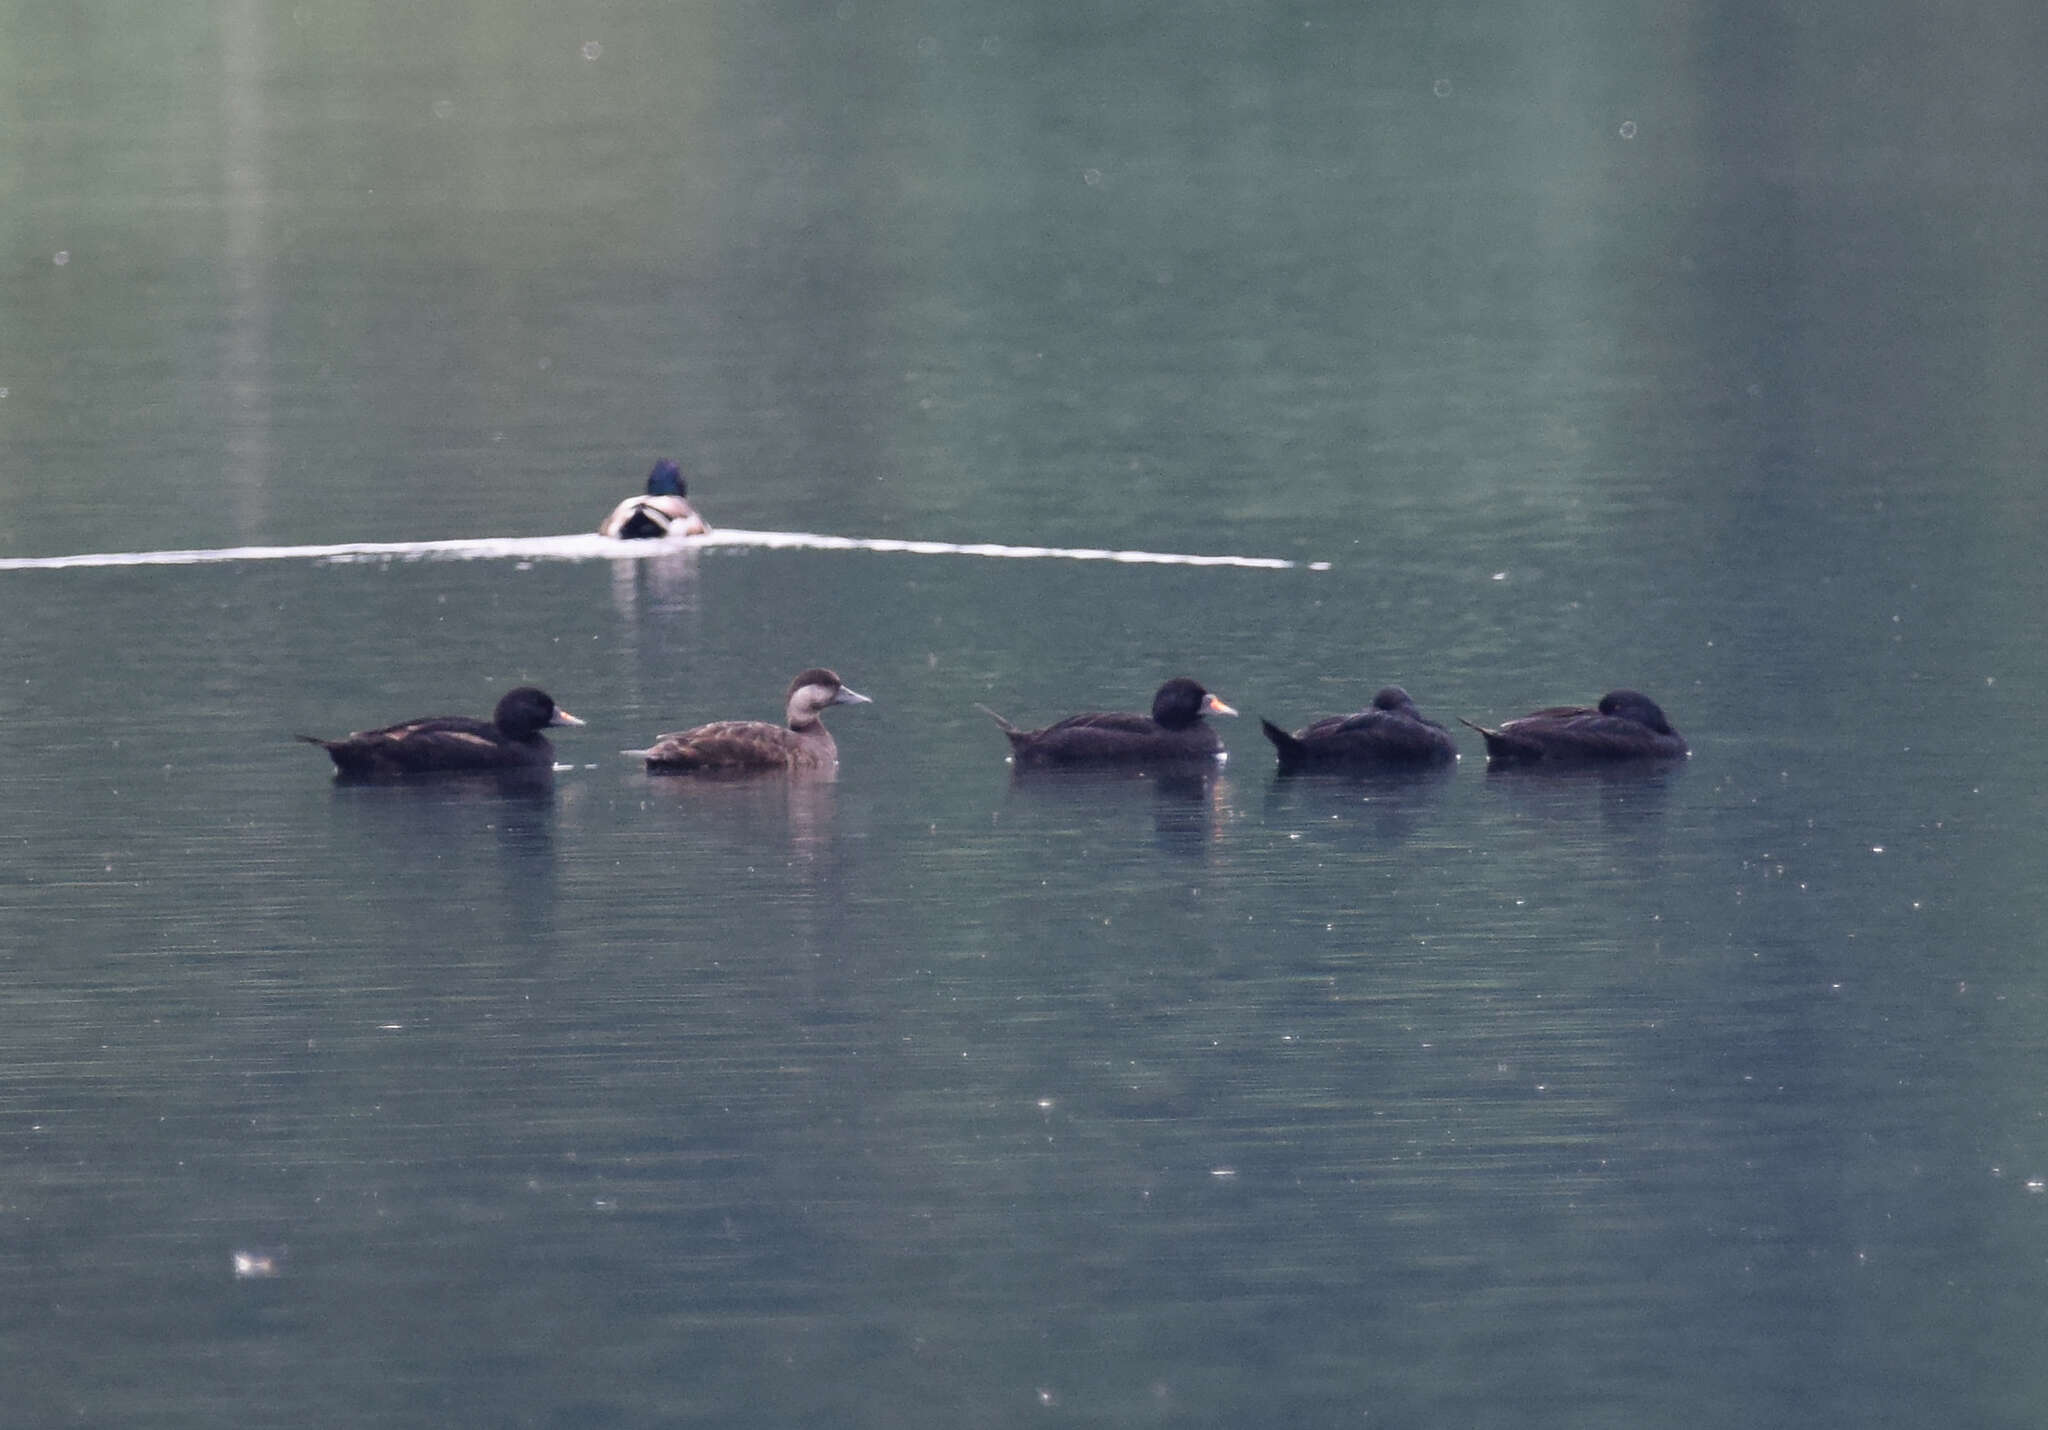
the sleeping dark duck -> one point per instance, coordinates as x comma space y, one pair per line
663, 511
1174, 731
1390, 733
1625, 725
756, 746
455, 744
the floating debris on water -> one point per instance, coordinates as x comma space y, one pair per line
256, 1264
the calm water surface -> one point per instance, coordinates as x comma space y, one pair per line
1687, 352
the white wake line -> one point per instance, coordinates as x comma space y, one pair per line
586, 547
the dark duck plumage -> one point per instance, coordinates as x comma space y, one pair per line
1625, 725
663, 511
455, 744
1390, 733
1173, 731
745, 746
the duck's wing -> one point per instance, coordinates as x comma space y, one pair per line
723, 744
646, 516
1577, 733
1115, 738
631, 519
1363, 722
1101, 734
1328, 725
686, 521
1369, 737
1554, 712
1616, 736
440, 742
1097, 725
1108, 721
1533, 736
1389, 735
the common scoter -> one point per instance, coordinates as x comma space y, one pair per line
1625, 725
455, 744
1174, 731
1388, 734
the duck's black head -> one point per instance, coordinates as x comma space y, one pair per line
525, 712
1392, 697
1634, 705
1181, 702
666, 480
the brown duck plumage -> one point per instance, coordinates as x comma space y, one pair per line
741, 746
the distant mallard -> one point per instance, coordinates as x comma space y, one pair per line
1390, 733
1174, 731
743, 746
1625, 725
455, 744
661, 512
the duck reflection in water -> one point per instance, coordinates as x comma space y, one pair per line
798, 810
1391, 802
665, 584
488, 840
1190, 801
1631, 799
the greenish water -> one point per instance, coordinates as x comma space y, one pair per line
1594, 347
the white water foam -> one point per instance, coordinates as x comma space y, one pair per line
588, 547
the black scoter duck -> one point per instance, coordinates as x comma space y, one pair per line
1390, 733
1173, 731
744, 746
455, 744
1625, 725
663, 511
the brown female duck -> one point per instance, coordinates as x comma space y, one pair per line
455, 744
1174, 731
1388, 734
748, 746
1625, 725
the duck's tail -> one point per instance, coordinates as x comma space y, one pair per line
1290, 750
1008, 728
346, 761
1496, 742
